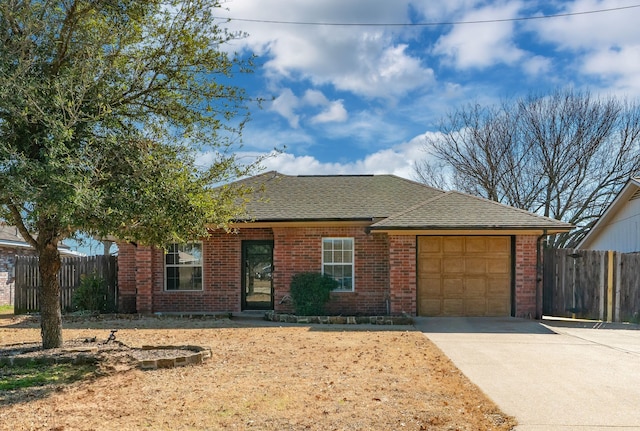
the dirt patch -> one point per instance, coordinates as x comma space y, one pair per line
261, 376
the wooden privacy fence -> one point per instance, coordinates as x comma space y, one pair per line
27, 280
602, 285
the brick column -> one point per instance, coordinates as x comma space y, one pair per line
402, 274
525, 276
126, 277
144, 279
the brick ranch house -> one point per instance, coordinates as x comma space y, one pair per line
394, 245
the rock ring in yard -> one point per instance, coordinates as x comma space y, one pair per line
115, 354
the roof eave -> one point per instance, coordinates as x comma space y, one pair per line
548, 229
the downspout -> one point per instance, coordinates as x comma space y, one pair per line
539, 274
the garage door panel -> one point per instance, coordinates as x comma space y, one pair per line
431, 265
453, 287
431, 286
452, 265
498, 307
430, 307
475, 265
499, 245
475, 287
431, 245
476, 245
453, 307
498, 266
464, 276
475, 307
498, 286
452, 244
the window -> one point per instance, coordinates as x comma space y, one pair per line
183, 266
337, 261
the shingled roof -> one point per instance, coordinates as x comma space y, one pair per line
333, 197
455, 210
389, 202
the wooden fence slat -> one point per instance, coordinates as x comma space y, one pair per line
606, 285
71, 272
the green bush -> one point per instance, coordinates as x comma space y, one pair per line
310, 291
92, 295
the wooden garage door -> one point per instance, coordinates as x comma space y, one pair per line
464, 276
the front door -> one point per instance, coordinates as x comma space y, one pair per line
257, 266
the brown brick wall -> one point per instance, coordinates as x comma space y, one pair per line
402, 262
300, 250
126, 278
525, 276
295, 250
221, 277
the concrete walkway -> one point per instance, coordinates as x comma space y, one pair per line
550, 375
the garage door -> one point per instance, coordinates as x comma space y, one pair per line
464, 276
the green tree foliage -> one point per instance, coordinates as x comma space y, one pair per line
105, 107
310, 291
564, 155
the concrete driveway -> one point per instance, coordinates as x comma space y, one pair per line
550, 375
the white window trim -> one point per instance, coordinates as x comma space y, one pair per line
201, 266
353, 262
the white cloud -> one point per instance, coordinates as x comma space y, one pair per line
482, 45
286, 104
604, 46
537, 65
368, 61
315, 98
590, 31
334, 112
398, 160
621, 67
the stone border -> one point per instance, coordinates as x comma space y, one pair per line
200, 354
272, 316
91, 355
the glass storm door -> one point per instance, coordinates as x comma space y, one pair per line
257, 265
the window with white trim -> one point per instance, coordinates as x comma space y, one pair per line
183, 266
337, 261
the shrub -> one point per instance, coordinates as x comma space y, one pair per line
310, 291
92, 294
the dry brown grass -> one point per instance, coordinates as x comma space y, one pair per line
262, 376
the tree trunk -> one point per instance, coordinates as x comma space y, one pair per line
50, 312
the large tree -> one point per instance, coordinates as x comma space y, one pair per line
564, 155
105, 106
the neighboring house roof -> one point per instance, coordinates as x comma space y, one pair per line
629, 192
10, 237
389, 202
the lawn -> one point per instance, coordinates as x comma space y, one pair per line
262, 376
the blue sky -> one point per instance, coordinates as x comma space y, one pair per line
359, 99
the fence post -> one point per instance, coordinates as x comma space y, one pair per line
602, 266
610, 286
618, 284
